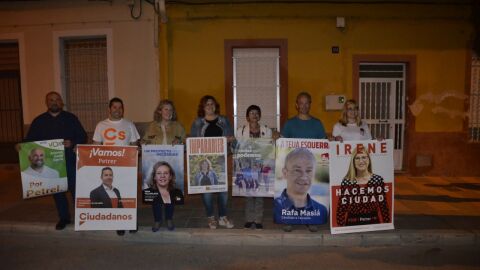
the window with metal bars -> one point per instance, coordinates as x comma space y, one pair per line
84, 78
474, 113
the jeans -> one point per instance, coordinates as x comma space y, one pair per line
157, 209
222, 198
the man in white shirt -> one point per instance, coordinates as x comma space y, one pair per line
115, 130
37, 166
106, 196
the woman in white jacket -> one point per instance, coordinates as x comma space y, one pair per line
252, 129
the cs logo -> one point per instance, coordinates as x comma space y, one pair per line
112, 134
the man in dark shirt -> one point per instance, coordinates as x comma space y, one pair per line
59, 124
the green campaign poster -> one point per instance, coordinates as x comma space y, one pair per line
43, 169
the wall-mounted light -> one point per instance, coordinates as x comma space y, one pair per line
341, 23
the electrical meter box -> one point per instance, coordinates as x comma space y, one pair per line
334, 102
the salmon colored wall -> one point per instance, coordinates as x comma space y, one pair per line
135, 72
436, 35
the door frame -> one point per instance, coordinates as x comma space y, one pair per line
282, 45
20, 40
410, 62
9, 155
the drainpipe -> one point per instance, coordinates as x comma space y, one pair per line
162, 45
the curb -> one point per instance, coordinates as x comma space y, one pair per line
241, 237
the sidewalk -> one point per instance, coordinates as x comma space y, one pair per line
428, 211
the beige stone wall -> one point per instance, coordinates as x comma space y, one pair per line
134, 72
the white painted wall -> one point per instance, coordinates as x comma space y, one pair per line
132, 52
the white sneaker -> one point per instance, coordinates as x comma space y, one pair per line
212, 223
223, 221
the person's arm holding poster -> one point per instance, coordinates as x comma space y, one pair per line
214, 177
79, 136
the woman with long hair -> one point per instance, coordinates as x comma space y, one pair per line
210, 123
164, 129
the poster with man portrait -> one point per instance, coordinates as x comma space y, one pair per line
106, 190
253, 168
301, 181
155, 156
43, 169
207, 165
362, 186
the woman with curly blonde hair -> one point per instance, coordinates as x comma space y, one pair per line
164, 129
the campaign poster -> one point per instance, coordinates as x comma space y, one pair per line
106, 193
207, 165
301, 181
43, 169
253, 168
156, 156
361, 183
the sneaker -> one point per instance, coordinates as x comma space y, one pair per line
248, 225
212, 223
156, 226
120, 232
312, 228
62, 223
287, 228
170, 225
258, 226
223, 221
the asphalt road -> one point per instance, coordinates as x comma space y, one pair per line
36, 251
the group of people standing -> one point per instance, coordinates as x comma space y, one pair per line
166, 130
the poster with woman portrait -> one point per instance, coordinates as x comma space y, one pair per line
253, 168
301, 181
361, 185
207, 165
153, 156
42, 166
